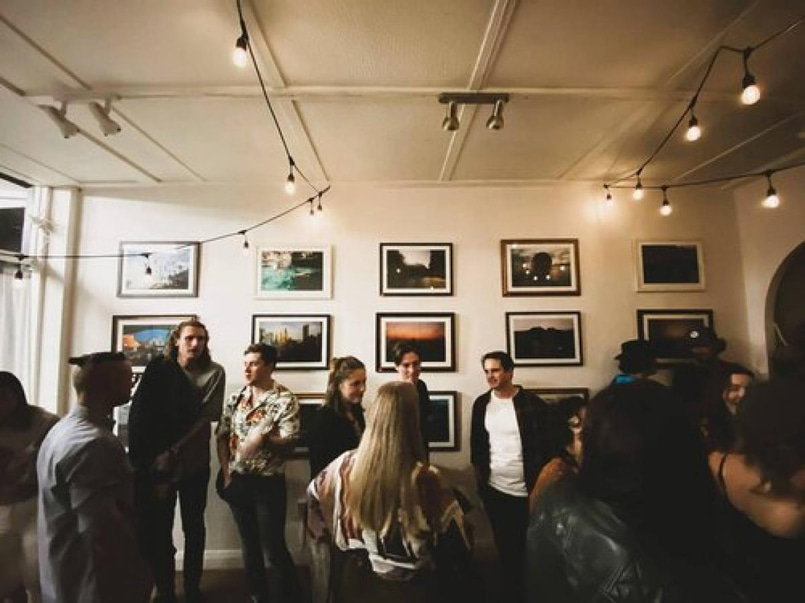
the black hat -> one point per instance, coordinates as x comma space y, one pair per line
636, 356
699, 337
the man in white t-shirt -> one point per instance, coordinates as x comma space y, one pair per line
506, 451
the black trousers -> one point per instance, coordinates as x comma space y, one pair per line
509, 518
155, 528
259, 508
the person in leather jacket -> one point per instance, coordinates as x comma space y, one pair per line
638, 523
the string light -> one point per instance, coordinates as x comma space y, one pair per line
772, 200
609, 201
694, 132
240, 56
18, 275
290, 181
319, 207
665, 208
312, 211
245, 247
750, 93
638, 193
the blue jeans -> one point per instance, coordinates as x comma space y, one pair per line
258, 506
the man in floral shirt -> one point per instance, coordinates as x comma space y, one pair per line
258, 429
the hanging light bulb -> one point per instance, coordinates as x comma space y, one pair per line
772, 200
638, 192
665, 208
319, 207
312, 211
19, 283
608, 200
694, 132
240, 56
750, 93
290, 181
244, 249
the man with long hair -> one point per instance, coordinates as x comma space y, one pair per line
179, 395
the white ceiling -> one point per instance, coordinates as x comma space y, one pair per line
594, 88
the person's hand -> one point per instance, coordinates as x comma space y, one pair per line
164, 463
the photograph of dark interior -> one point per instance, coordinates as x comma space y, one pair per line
670, 263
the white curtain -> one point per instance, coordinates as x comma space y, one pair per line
15, 325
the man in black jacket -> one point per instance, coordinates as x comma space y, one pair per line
506, 452
178, 397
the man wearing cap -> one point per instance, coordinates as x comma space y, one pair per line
636, 362
699, 384
87, 544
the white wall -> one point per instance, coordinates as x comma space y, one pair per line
767, 236
355, 220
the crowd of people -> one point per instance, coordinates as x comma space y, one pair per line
693, 491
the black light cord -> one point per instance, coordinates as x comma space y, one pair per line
745, 52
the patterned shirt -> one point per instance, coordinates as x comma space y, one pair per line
276, 410
398, 555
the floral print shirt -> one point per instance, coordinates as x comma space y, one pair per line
276, 410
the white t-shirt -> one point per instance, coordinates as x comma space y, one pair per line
505, 447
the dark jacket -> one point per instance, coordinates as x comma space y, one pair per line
424, 414
330, 435
579, 550
530, 410
164, 408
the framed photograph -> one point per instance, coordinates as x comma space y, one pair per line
432, 334
544, 338
302, 340
442, 426
416, 269
540, 267
669, 265
551, 395
142, 338
294, 272
154, 269
308, 405
665, 331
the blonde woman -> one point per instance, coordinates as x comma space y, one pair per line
397, 527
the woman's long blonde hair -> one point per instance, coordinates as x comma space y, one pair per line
381, 480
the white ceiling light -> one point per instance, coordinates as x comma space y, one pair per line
109, 126
59, 117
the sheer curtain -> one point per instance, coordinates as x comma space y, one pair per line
15, 325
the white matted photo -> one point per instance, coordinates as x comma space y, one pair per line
416, 269
669, 265
432, 334
293, 272
156, 269
540, 267
544, 338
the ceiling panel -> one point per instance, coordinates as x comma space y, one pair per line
148, 42
542, 137
378, 140
25, 69
377, 43
607, 43
228, 140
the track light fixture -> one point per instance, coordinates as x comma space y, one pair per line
665, 208
109, 126
450, 122
495, 121
453, 99
59, 117
772, 200
750, 93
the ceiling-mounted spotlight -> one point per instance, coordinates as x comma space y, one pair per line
109, 126
450, 122
454, 99
495, 121
59, 117
750, 93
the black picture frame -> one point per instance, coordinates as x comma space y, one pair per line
544, 338
665, 330
442, 427
416, 269
432, 333
670, 266
302, 340
537, 267
309, 403
551, 395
